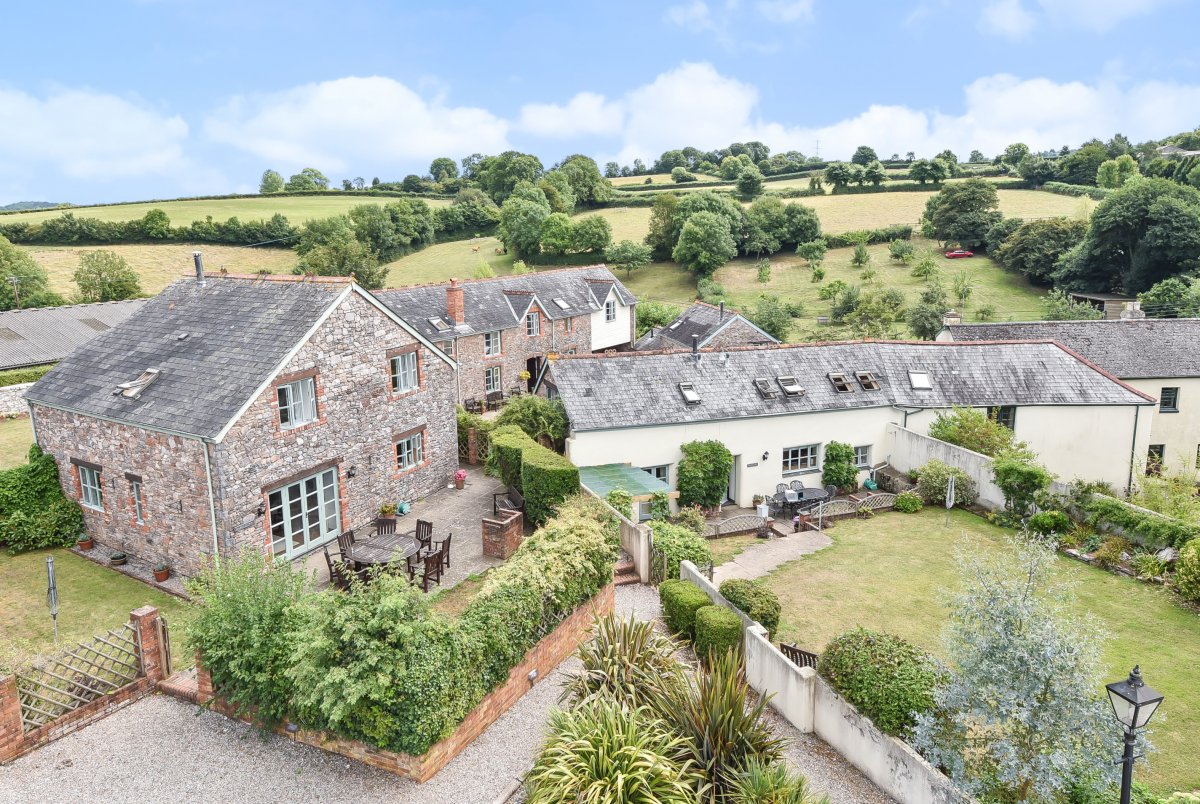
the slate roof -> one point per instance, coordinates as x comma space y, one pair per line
45, 334
238, 332
1139, 348
640, 389
501, 303
701, 320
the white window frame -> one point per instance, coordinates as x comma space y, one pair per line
865, 461
661, 472
139, 506
801, 459
610, 310
305, 514
300, 406
410, 451
493, 343
406, 376
533, 324
488, 374
91, 487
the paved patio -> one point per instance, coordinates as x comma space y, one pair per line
451, 511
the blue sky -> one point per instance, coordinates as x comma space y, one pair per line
133, 99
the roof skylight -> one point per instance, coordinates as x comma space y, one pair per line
7, 334
562, 304
94, 323
920, 380
765, 389
133, 389
439, 324
867, 380
688, 391
790, 386
841, 383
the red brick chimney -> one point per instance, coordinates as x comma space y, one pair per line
454, 302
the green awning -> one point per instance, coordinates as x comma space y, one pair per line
605, 478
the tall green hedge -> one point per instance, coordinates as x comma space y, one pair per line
544, 477
757, 601
885, 234
680, 602
34, 512
20, 375
376, 663
718, 631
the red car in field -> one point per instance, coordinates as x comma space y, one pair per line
959, 252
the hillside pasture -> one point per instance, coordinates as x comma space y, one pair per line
659, 179
297, 209
159, 265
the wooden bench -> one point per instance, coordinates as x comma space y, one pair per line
510, 499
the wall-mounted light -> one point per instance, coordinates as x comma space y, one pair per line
351, 472
766, 454
261, 509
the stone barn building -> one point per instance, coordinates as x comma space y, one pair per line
262, 413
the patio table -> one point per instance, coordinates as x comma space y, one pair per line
383, 549
805, 498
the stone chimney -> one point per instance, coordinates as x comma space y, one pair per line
454, 302
721, 314
1133, 311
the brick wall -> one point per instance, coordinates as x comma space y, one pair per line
359, 420
543, 657
14, 741
516, 349
176, 526
503, 534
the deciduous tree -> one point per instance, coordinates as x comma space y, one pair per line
306, 180
443, 168
864, 155
271, 182
104, 276
705, 243
963, 213
750, 181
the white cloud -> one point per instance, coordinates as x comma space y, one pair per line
88, 136
785, 11
694, 16
1098, 15
585, 114
1006, 17
337, 125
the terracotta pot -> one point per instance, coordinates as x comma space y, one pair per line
458, 484
162, 575
86, 544
116, 562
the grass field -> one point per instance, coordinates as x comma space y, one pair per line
15, 437
91, 598
889, 574
297, 209
845, 213
160, 265
660, 179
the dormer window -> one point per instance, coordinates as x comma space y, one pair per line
790, 386
610, 310
533, 324
841, 383
688, 391
867, 380
920, 381
765, 389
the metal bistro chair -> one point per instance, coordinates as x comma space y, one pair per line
797, 485
423, 534
779, 502
831, 490
780, 488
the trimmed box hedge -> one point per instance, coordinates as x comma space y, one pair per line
22, 375
718, 631
543, 477
680, 601
757, 601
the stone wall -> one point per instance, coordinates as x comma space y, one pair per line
359, 420
15, 741
12, 399
502, 535
177, 527
516, 349
738, 332
539, 661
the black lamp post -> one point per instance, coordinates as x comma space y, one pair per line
1133, 704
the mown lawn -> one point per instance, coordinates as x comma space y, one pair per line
158, 265
15, 437
297, 209
890, 574
661, 179
91, 599
728, 548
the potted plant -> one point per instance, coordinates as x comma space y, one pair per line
460, 478
387, 511
161, 572
758, 500
117, 559
85, 542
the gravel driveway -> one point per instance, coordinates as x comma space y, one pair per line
161, 749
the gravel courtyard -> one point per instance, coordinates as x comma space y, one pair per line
162, 749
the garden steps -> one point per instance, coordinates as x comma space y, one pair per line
182, 685
624, 572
